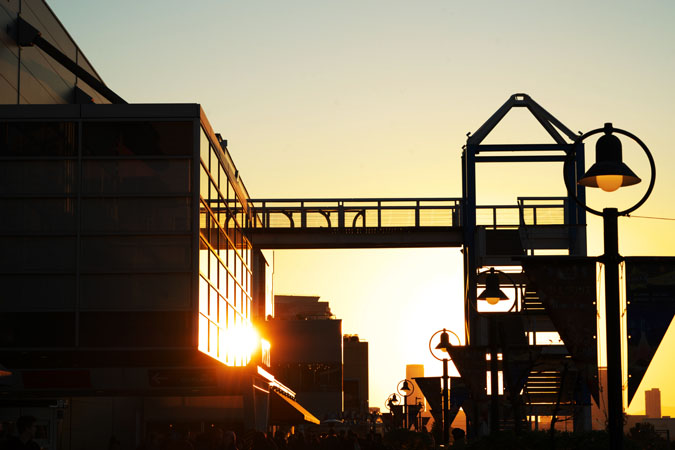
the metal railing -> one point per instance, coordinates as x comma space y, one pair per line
528, 211
355, 213
401, 212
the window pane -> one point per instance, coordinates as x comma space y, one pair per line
35, 291
47, 254
204, 183
213, 339
203, 258
131, 253
137, 138
38, 177
135, 291
230, 290
213, 266
204, 217
222, 180
130, 176
38, 215
222, 312
204, 152
136, 214
222, 277
135, 328
38, 139
213, 303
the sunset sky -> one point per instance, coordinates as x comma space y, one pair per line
374, 98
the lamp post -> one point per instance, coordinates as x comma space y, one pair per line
444, 346
493, 295
391, 403
610, 173
405, 388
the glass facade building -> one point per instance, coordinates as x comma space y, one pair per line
225, 330
127, 277
122, 229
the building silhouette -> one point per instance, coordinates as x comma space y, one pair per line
307, 352
355, 377
653, 403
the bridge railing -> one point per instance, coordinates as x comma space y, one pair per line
528, 211
401, 212
355, 213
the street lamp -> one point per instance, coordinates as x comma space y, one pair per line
392, 403
405, 388
610, 173
443, 348
493, 295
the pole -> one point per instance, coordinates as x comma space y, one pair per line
405, 412
611, 259
494, 377
446, 405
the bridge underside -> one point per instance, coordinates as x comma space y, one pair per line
362, 237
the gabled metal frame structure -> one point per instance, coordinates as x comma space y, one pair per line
471, 155
476, 253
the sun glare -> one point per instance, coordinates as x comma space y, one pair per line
239, 343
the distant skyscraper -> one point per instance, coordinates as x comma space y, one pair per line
653, 403
415, 371
355, 374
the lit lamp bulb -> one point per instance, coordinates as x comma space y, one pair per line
492, 300
492, 294
609, 183
609, 172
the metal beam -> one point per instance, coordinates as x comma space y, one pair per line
519, 158
521, 147
325, 238
28, 35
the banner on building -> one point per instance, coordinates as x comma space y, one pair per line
567, 288
650, 295
518, 363
431, 389
459, 393
471, 364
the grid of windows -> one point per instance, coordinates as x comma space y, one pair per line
225, 330
97, 224
100, 214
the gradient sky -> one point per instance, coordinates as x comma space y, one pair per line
374, 99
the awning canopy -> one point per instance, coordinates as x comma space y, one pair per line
286, 411
4, 372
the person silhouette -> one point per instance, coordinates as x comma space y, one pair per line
458, 438
26, 428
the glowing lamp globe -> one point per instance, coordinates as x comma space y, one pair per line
492, 294
609, 172
444, 345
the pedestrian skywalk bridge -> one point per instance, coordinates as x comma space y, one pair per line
396, 222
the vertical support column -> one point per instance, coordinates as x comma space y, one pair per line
303, 215
575, 214
417, 213
446, 404
494, 376
611, 260
469, 250
341, 215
